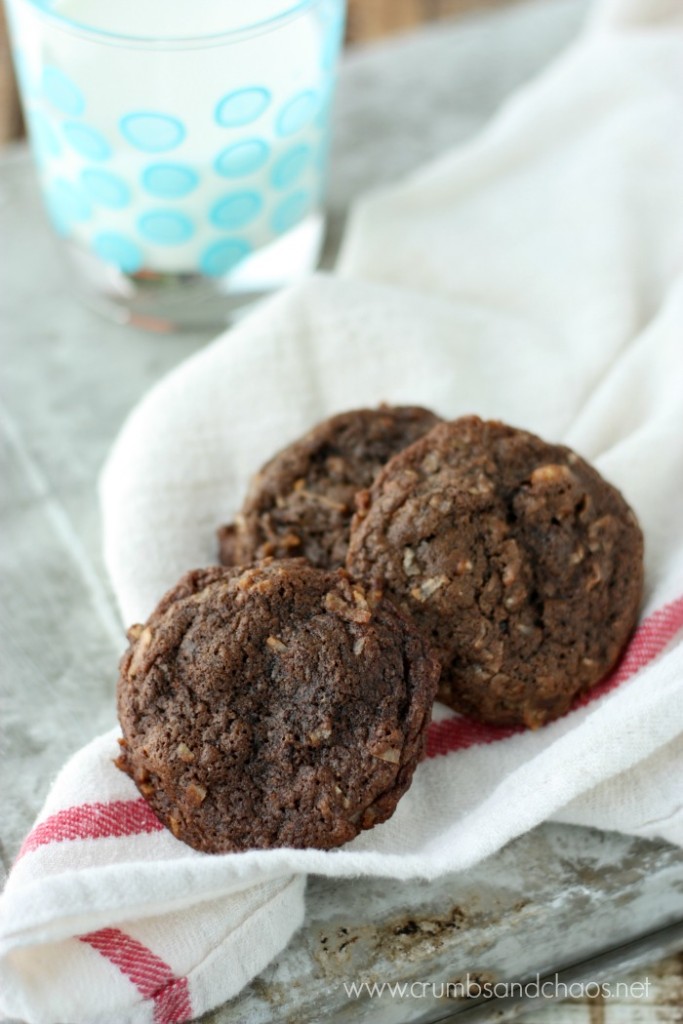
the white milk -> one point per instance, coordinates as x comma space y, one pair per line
172, 156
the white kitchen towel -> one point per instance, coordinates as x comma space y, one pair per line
535, 275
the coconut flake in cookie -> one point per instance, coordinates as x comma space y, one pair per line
279, 705
520, 563
301, 502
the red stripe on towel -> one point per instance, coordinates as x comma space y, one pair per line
648, 641
93, 821
152, 977
460, 733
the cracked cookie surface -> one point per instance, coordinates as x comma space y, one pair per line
517, 559
301, 502
278, 705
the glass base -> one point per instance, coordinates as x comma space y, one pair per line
165, 302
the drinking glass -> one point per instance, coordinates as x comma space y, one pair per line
181, 147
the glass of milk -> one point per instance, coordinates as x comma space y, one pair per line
181, 145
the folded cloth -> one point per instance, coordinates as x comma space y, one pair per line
533, 276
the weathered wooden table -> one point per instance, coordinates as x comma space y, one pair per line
558, 899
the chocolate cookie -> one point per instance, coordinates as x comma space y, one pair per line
277, 705
515, 557
301, 502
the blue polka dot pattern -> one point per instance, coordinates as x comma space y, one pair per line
290, 211
43, 135
242, 106
166, 227
152, 133
242, 158
236, 210
297, 113
86, 141
169, 181
62, 92
290, 166
67, 203
106, 189
119, 250
126, 183
223, 256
